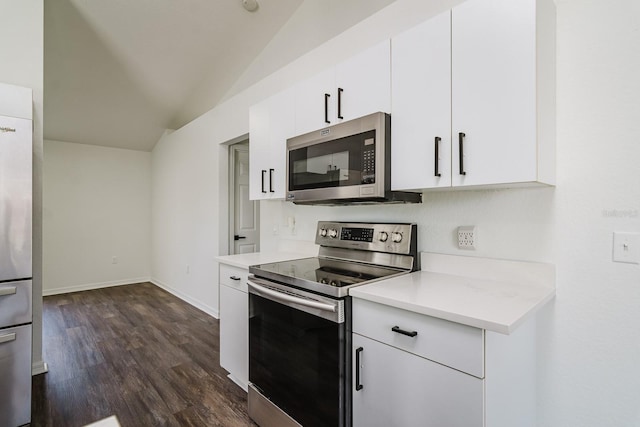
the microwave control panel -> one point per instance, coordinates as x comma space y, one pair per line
369, 161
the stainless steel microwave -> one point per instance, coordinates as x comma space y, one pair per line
347, 163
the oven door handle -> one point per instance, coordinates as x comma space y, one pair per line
286, 298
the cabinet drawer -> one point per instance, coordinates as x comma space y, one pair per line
234, 277
15, 372
15, 303
452, 344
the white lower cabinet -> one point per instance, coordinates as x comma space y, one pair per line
402, 389
410, 369
234, 324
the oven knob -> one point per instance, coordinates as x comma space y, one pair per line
333, 283
333, 233
396, 237
323, 232
383, 236
324, 281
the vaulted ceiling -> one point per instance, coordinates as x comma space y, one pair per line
119, 72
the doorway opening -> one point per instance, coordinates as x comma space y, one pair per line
244, 214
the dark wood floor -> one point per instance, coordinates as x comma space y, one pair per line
136, 352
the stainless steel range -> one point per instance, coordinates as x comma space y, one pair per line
300, 321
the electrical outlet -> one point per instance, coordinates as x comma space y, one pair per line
467, 237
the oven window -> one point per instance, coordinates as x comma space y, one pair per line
297, 360
341, 162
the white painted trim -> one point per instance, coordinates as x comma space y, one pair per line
197, 304
39, 367
90, 286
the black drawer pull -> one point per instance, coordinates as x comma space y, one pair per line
403, 332
358, 383
234, 278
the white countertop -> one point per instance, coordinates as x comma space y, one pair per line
490, 294
255, 258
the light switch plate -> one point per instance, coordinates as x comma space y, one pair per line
626, 247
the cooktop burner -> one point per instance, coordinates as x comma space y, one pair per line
351, 254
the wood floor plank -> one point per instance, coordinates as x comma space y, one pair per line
136, 352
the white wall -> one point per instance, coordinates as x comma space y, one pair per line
22, 47
589, 339
97, 205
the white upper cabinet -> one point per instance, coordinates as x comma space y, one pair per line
421, 106
502, 68
354, 88
271, 122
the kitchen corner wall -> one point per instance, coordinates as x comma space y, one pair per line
588, 337
22, 64
97, 204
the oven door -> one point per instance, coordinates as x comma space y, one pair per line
297, 355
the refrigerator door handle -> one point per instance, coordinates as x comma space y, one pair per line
9, 290
7, 337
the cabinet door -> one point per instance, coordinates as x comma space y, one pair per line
271, 122
282, 127
259, 150
310, 101
494, 91
363, 83
401, 389
234, 334
421, 106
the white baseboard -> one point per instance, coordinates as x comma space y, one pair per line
39, 367
90, 286
211, 311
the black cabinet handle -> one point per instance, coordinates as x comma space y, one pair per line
403, 332
326, 107
264, 171
340, 90
271, 181
234, 278
236, 237
461, 136
358, 383
436, 155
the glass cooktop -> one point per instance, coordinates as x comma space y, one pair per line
323, 275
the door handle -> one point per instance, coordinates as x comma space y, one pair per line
359, 385
461, 136
9, 290
326, 108
7, 338
436, 155
264, 171
271, 190
236, 237
340, 90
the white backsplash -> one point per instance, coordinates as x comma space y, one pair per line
510, 223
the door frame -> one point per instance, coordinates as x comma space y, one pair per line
234, 148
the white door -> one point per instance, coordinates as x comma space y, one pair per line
315, 101
494, 91
402, 389
421, 106
246, 218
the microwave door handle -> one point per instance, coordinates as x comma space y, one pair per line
289, 299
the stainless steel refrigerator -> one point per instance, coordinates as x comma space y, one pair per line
15, 270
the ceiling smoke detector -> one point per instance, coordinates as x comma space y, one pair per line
250, 5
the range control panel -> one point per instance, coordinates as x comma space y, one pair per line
385, 237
